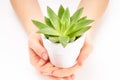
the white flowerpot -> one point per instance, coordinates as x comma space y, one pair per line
63, 57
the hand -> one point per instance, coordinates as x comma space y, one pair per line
67, 73
38, 54
85, 51
48, 70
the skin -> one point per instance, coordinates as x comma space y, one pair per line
29, 9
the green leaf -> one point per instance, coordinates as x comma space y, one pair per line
54, 18
65, 20
54, 39
66, 16
81, 19
76, 16
64, 40
49, 31
80, 32
45, 29
80, 25
70, 29
72, 39
39, 24
48, 22
61, 11
47, 36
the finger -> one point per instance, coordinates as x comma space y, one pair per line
54, 78
41, 62
36, 61
85, 52
47, 69
65, 72
48, 72
39, 49
68, 78
47, 65
33, 57
73, 77
51, 77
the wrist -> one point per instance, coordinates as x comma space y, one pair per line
89, 36
34, 34
29, 27
31, 30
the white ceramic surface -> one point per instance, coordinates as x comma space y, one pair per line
63, 57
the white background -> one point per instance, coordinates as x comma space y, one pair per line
102, 64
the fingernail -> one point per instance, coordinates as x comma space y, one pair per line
44, 56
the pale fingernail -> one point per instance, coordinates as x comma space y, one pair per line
44, 56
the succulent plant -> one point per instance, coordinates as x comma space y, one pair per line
63, 28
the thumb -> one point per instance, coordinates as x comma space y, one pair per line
40, 50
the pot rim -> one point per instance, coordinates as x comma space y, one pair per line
43, 37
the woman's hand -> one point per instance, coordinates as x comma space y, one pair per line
85, 51
38, 54
67, 73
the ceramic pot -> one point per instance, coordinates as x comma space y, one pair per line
63, 57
